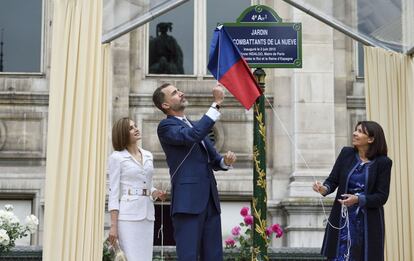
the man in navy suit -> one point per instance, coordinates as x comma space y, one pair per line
191, 157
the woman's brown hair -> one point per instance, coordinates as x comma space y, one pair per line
120, 134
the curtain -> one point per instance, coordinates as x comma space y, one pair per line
389, 94
77, 134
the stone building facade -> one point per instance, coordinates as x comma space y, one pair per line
315, 109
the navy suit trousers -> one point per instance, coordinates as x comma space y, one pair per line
198, 236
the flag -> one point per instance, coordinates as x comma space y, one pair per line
230, 68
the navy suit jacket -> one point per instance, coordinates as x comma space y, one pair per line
194, 180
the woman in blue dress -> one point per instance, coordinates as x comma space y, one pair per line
362, 176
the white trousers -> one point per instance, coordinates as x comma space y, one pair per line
136, 239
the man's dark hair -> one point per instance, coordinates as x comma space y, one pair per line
379, 146
158, 96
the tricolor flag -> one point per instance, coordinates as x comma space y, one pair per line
229, 68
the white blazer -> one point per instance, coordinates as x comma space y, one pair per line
127, 179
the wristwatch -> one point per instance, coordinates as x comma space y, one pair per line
215, 106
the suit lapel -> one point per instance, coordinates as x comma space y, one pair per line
351, 162
372, 174
178, 121
351, 165
182, 123
203, 146
145, 157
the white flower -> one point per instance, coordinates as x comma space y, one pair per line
2, 213
4, 237
11, 229
7, 217
31, 223
8, 207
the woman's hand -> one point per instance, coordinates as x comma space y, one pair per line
349, 200
113, 234
319, 188
159, 194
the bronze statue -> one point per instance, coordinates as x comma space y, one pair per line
165, 55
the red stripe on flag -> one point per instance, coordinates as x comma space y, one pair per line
241, 83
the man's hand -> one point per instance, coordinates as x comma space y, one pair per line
229, 158
218, 93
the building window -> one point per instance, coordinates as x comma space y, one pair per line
171, 45
219, 11
179, 39
20, 35
230, 215
22, 209
168, 230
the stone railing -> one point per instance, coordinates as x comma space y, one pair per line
34, 253
284, 253
23, 253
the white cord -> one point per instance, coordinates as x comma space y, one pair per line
344, 209
161, 229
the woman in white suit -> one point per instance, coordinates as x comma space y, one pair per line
131, 193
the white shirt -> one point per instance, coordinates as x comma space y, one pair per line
125, 174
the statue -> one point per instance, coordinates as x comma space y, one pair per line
165, 55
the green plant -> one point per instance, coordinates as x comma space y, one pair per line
11, 229
107, 254
242, 238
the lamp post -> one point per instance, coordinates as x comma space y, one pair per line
259, 204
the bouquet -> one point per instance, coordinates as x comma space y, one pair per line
113, 252
11, 229
242, 237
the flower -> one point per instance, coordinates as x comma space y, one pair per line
236, 231
277, 230
11, 229
244, 211
8, 207
242, 238
248, 220
8, 218
230, 242
4, 238
268, 231
31, 223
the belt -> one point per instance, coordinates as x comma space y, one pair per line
137, 191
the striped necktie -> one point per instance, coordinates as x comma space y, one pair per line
187, 122
202, 142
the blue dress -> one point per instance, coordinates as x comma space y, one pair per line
356, 184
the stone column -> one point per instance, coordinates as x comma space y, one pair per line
121, 77
307, 109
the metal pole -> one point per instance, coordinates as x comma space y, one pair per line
259, 204
140, 20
